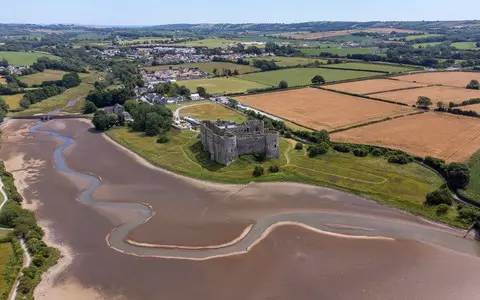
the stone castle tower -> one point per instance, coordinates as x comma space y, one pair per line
225, 141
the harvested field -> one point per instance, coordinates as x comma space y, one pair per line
13, 101
446, 136
458, 79
372, 86
321, 35
320, 109
474, 107
436, 93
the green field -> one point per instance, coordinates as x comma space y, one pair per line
337, 51
423, 45
212, 112
401, 186
465, 46
24, 58
473, 189
208, 67
303, 76
13, 101
212, 43
60, 101
40, 77
289, 61
416, 37
371, 67
6, 251
223, 85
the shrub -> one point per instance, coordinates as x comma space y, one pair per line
401, 159
25, 103
458, 175
378, 152
163, 138
442, 209
298, 146
468, 215
440, 196
89, 108
260, 157
283, 84
474, 85
319, 149
258, 171
360, 152
274, 169
342, 148
287, 134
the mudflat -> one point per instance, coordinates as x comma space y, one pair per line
289, 263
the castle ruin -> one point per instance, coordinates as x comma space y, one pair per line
225, 141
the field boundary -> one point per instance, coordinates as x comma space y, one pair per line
360, 96
397, 90
376, 121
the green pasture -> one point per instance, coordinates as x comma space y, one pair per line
24, 58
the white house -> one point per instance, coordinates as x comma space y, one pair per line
195, 97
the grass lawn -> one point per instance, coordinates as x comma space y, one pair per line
6, 251
173, 107
302, 76
212, 112
13, 101
465, 46
401, 186
208, 67
46, 75
473, 189
371, 67
339, 51
221, 85
60, 101
423, 45
76, 108
289, 61
23, 58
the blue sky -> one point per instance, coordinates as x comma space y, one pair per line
151, 12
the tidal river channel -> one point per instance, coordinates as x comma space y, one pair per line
138, 232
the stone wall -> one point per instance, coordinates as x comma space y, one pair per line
225, 145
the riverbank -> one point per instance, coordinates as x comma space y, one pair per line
24, 224
400, 186
194, 213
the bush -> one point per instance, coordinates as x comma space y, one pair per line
274, 169
260, 157
458, 175
360, 152
474, 85
283, 84
25, 103
89, 108
341, 148
378, 152
442, 209
319, 149
468, 215
401, 159
163, 138
287, 134
298, 146
258, 171
440, 196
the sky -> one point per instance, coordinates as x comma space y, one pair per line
157, 12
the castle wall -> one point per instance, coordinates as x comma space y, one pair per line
225, 145
248, 144
271, 145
